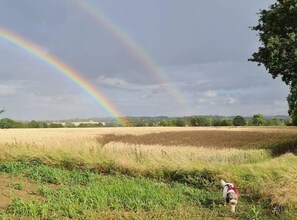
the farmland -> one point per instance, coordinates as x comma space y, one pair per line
147, 173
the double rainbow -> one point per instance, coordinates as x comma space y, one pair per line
136, 51
64, 69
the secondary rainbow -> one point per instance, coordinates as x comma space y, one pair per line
137, 52
64, 69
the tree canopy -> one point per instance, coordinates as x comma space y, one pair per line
258, 120
277, 30
239, 121
6, 123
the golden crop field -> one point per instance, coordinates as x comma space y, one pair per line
42, 137
154, 146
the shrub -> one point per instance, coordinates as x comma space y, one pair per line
69, 125
201, 121
180, 123
226, 122
55, 125
239, 121
6, 123
196, 178
258, 120
287, 146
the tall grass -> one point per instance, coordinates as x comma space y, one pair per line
78, 195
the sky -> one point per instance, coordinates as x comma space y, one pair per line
147, 58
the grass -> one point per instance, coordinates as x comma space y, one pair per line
65, 197
78, 194
157, 173
17, 186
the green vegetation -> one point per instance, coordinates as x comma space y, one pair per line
6, 123
256, 120
74, 194
239, 121
90, 125
277, 30
292, 101
81, 194
69, 125
201, 121
18, 186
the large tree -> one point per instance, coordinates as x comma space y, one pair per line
277, 29
292, 101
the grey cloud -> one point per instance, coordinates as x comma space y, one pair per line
7, 90
122, 84
201, 46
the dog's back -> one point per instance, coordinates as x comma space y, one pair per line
225, 188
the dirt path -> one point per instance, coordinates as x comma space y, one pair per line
16, 187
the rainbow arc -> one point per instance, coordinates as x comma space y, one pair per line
137, 52
64, 69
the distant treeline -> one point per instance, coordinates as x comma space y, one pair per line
256, 120
9, 123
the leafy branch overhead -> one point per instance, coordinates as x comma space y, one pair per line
277, 30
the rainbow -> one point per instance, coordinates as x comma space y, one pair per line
64, 69
137, 52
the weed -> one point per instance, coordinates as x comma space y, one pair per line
45, 174
82, 177
256, 212
17, 186
12, 168
196, 178
287, 146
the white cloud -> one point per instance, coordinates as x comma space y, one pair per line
230, 100
8, 90
122, 84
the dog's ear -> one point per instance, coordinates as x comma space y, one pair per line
228, 198
236, 191
223, 183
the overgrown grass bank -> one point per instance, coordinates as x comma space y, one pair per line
82, 194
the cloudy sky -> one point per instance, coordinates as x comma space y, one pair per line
147, 57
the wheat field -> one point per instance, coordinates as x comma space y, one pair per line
144, 149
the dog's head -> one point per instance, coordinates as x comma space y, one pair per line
232, 199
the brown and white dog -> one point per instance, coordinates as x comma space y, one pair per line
230, 194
